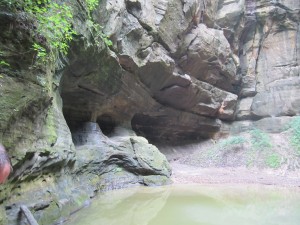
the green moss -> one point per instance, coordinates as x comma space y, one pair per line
51, 131
3, 219
94, 180
49, 215
250, 158
155, 180
13, 99
80, 199
19, 99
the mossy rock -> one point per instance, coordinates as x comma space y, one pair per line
3, 219
16, 97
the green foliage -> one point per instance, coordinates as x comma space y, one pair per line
92, 4
54, 23
41, 51
98, 35
106, 40
94, 28
260, 140
273, 161
236, 140
295, 138
4, 63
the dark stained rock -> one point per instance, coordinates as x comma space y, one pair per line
169, 125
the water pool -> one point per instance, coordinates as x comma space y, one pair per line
193, 205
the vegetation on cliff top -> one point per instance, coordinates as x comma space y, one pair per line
53, 25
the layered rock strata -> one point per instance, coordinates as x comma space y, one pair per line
178, 71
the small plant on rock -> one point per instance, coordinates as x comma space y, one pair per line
295, 137
94, 28
4, 63
92, 4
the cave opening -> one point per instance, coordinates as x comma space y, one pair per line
107, 124
164, 130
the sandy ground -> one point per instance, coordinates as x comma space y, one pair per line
183, 174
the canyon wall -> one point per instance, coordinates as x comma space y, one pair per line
177, 72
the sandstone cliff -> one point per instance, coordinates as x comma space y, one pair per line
177, 72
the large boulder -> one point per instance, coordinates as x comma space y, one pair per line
207, 56
122, 159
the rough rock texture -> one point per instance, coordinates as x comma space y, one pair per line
269, 55
117, 157
207, 56
154, 76
178, 71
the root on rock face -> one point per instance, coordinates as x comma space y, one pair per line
31, 220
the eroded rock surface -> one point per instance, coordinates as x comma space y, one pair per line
123, 153
177, 71
270, 59
159, 73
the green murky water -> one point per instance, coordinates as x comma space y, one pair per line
193, 205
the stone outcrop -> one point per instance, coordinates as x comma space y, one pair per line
119, 157
270, 59
177, 71
207, 56
187, 73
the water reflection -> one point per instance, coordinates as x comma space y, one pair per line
194, 205
124, 207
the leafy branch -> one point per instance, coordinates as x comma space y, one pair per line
54, 24
94, 28
4, 63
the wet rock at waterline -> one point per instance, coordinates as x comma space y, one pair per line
120, 160
101, 164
